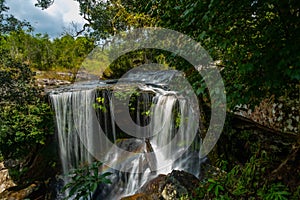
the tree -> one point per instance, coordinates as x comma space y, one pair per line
25, 120
255, 42
106, 18
9, 23
70, 52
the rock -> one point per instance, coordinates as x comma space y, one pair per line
154, 187
43, 83
174, 191
150, 157
10, 163
176, 185
210, 171
131, 145
139, 196
17, 194
5, 180
36, 175
179, 184
119, 178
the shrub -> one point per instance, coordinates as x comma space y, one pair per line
85, 180
25, 118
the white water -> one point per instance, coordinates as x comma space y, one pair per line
79, 143
68, 107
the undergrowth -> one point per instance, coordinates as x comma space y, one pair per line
248, 181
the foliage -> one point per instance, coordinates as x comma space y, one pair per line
244, 182
85, 180
24, 126
255, 42
244, 36
106, 18
276, 191
124, 63
69, 52
8, 22
214, 187
44, 3
17, 174
26, 120
100, 104
39, 52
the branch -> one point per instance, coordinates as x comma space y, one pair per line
291, 156
245, 123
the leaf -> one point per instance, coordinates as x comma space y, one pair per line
106, 174
73, 190
94, 187
200, 91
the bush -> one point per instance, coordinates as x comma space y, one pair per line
25, 117
244, 182
85, 180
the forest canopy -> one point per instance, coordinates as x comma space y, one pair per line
256, 42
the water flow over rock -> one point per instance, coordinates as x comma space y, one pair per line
89, 129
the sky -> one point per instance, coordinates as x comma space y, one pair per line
53, 21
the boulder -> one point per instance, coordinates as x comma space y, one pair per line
5, 179
15, 193
176, 185
139, 196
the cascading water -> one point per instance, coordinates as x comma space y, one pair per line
72, 150
165, 119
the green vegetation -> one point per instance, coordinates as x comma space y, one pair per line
85, 180
252, 164
244, 182
40, 53
26, 120
100, 104
256, 44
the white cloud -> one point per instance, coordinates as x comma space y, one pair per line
68, 9
52, 20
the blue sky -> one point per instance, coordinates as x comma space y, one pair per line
54, 20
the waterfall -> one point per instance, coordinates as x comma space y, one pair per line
68, 106
166, 118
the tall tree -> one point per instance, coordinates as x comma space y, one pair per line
256, 42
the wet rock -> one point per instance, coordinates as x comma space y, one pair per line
136, 146
139, 196
173, 186
154, 187
179, 184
